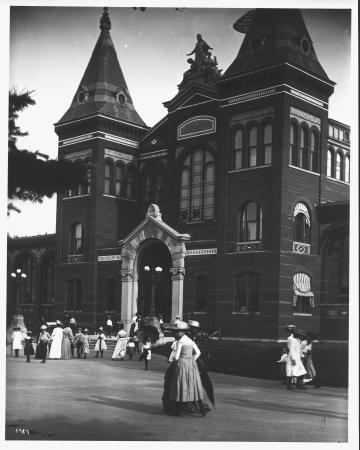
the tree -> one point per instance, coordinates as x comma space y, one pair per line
32, 175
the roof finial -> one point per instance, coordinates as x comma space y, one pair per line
105, 23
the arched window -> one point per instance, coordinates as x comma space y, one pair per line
303, 297
293, 144
339, 170
47, 280
130, 183
330, 163
314, 151
108, 177
118, 180
347, 168
238, 150
201, 293
87, 187
247, 292
253, 153
110, 294
337, 270
159, 190
76, 239
301, 224
268, 144
197, 187
302, 151
251, 222
24, 285
73, 295
155, 189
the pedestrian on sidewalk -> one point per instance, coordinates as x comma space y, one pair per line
281, 364
186, 384
169, 407
131, 348
42, 345
120, 347
68, 340
109, 327
294, 366
146, 353
86, 343
16, 341
28, 348
79, 343
311, 375
100, 344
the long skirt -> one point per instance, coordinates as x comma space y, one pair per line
66, 349
120, 349
309, 367
185, 385
41, 350
100, 345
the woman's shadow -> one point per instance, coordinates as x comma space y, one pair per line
124, 404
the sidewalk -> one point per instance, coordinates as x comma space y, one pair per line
100, 399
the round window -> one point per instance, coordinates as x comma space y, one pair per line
255, 44
121, 99
305, 45
81, 97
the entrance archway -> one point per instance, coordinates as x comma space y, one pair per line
154, 279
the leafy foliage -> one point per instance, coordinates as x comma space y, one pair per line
32, 175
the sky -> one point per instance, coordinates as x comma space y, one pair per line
51, 46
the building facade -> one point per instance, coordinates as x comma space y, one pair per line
234, 207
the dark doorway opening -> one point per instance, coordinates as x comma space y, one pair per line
154, 284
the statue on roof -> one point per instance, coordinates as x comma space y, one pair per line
201, 50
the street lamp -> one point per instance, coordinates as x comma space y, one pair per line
153, 274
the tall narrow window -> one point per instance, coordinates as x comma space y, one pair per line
108, 177
197, 185
130, 183
185, 193
118, 180
253, 156
347, 168
251, 223
247, 292
339, 166
209, 191
201, 293
301, 224
303, 297
87, 188
110, 294
293, 144
330, 163
268, 144
159, 189
73, 295
302, 151
76, 239
238, 150
313, 153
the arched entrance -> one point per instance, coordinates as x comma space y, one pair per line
154, 279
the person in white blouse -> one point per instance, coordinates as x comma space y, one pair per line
185, 383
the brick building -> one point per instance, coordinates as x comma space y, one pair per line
247, 179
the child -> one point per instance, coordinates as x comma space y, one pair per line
43, 342
282, 364
86, 343
136, 342
131, 348
146, 353
28, 349
79, 343
100, 344
16, 341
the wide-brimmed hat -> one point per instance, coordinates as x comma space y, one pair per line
43, 327
193, 323
86, 329
290, 327
29, 332
58, 322
101, 329
181, 326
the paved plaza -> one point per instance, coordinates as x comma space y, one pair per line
100, 399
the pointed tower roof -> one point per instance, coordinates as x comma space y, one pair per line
274, 36
103, 88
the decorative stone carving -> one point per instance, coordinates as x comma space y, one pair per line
300, 247
249, 246
154, 211
177, 273
127, 275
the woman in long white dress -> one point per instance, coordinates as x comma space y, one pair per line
56, 342
17, 341
120, 347
294, 365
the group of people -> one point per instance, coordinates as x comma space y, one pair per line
296, 363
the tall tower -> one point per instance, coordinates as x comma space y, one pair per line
101, 127
274, 101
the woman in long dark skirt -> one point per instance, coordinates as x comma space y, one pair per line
28, 348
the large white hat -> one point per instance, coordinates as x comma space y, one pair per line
193, 323
181, 325
43, 327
